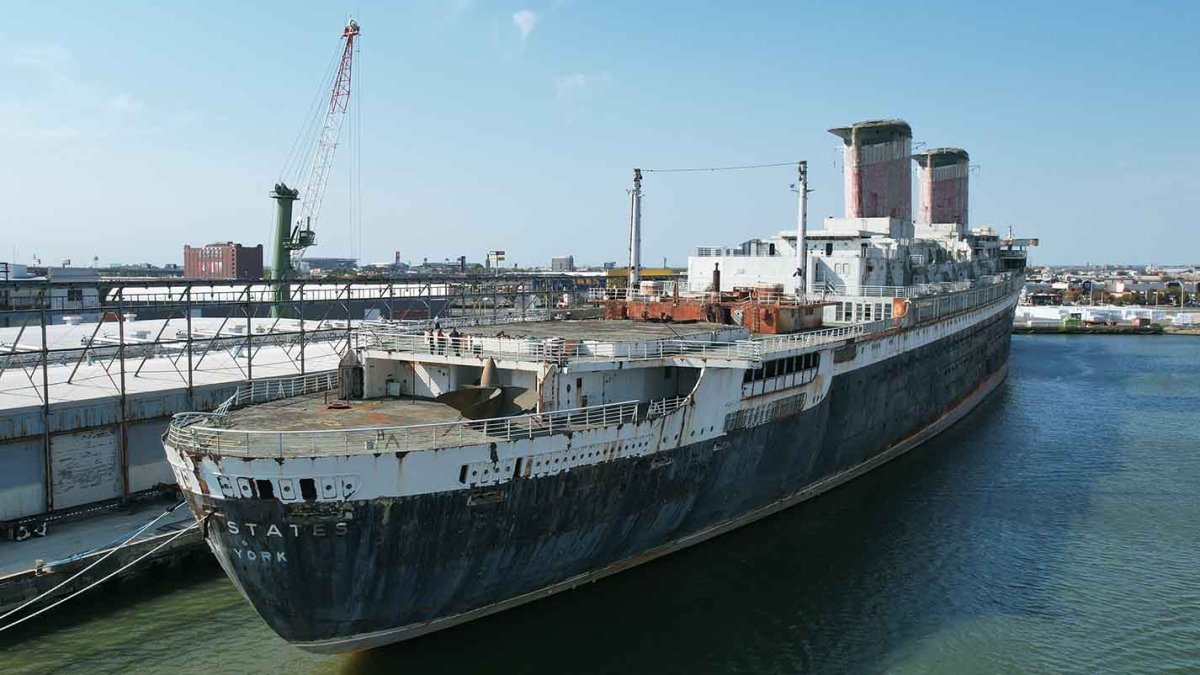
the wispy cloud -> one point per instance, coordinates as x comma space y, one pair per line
47, 58
54, 104
524, 21
20, 123
124, 103
577, 85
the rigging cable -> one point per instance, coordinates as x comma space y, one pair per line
722, 168
106, 577
294, 164
133, 536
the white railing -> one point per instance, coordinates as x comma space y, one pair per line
192, 435
548, 349
259, 391
402, 340
448, 322
926, 302
780, 343
935, 307
664, 291
598, 294
834, 292
667, 405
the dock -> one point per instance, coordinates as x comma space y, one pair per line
32, 567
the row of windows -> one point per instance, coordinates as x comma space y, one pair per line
862, 311
784, 366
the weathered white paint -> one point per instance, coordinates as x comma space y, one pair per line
717, 393
86, 466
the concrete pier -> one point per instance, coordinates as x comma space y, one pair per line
32, 567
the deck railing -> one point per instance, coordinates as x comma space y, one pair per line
780, 343
932, 308
259, 391
195, 435
551, 349
667, 406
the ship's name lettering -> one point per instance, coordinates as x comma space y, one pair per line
260, 556
288, 529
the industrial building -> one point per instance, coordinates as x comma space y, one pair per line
72, 292
223, 260
562, 263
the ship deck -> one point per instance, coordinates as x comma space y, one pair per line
604, 330
307, 426
312, 412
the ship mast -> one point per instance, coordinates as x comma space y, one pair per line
635, 235
802, 231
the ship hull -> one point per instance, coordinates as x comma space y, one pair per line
359, 574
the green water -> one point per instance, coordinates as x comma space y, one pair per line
1055, 530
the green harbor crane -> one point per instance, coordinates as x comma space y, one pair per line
293, 237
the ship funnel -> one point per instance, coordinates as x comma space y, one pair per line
878, 179
942, 186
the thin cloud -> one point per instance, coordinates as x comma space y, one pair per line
49, 58
23, 123
576, 85
55, 104
124, 103
525, 21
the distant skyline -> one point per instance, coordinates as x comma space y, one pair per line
129, 130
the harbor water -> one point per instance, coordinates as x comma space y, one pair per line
1056, 529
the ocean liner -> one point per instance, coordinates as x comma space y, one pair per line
445, 474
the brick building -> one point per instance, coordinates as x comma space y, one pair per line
225, 260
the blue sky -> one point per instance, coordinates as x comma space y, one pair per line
128, 129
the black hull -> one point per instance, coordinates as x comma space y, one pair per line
360, 574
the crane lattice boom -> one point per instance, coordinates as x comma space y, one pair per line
313, 193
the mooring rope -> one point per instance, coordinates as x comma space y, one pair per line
102, 558
76, 575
